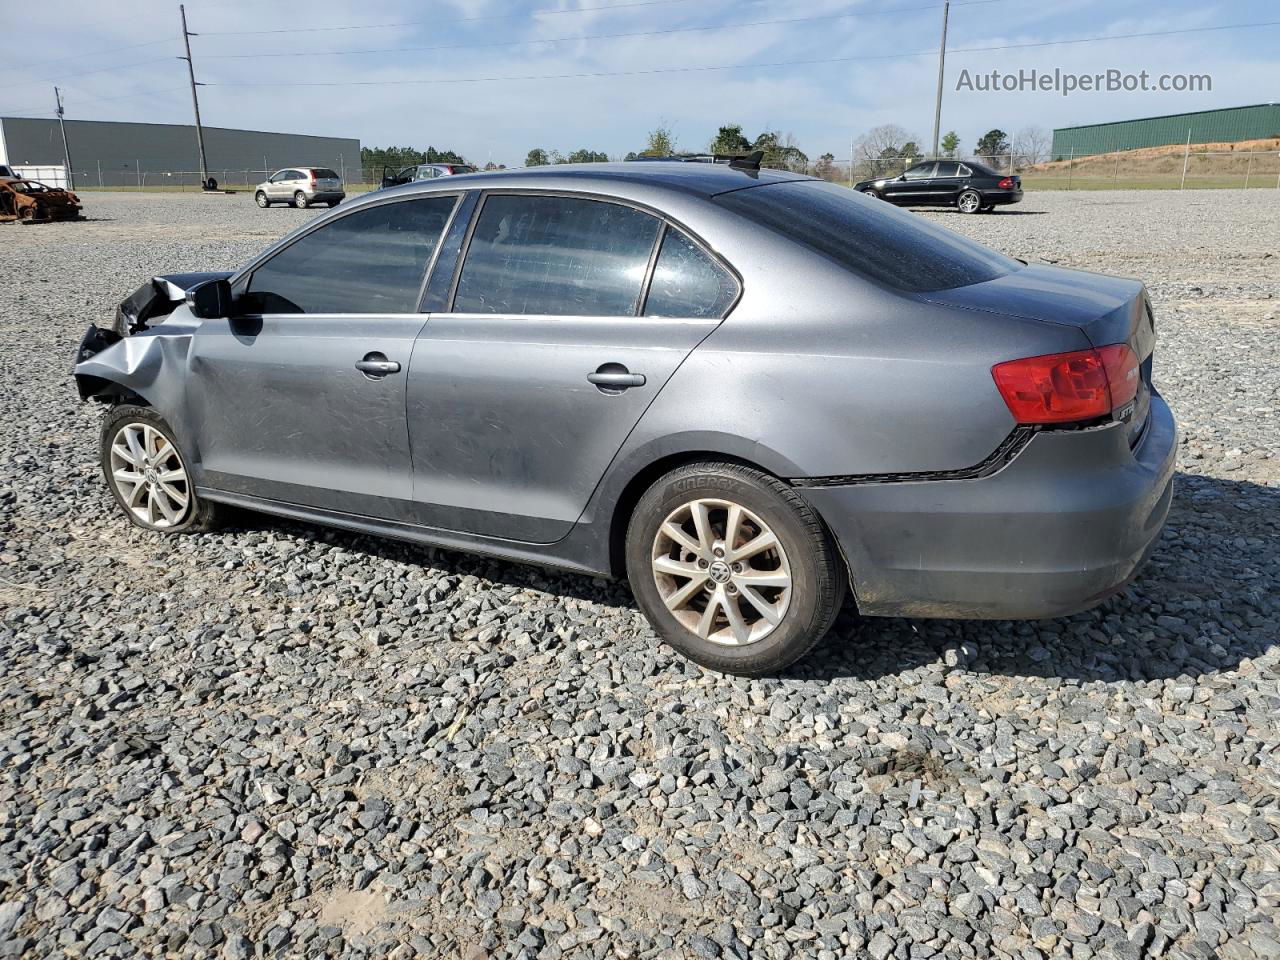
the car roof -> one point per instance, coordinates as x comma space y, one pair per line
698, 179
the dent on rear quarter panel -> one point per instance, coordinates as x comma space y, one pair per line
839, 377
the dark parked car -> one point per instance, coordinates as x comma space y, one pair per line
966, 185
424, 171
746, 390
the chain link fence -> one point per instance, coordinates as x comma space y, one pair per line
139, 176
1174, 169
1168, 168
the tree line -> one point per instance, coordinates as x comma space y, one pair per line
881, 150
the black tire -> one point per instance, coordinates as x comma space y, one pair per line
198, 516
817, 572
989, 208
261, 200
871, 193
333, 203
300, 200
969, 201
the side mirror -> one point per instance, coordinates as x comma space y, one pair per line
210, 300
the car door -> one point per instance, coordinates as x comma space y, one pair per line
912, 186
272, 189
300, 396
946, 183
521, 392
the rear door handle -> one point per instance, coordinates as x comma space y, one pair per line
615, 378
376, 365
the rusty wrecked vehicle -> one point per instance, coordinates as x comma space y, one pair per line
30, 201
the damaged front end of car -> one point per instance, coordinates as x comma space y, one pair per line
125, 361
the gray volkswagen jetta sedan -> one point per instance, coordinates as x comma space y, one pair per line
747, 391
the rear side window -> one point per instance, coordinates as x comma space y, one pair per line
948, 168
324, 173
871, 238
370, 261
556, 256
687, 282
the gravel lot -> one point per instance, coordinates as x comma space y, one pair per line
278, 740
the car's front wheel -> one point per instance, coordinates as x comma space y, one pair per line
147, 473
300, 200
733, 568
261, 200
970, 201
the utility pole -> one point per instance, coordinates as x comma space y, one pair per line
66, 152
1186, 159
195, 101
942, 62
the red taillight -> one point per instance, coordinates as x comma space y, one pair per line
1006, 183
1123, 374
1068, 387
313, 177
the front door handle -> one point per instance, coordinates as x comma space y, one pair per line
376, 365
614, 377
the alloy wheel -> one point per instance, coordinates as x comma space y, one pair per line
149, 475
300, 200
721, 571
261, 198
970, 202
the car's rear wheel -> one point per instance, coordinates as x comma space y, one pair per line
300, 200
261, 200
733, 568
147, 473
970, 201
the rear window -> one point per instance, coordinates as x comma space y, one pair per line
870, 237
324, 173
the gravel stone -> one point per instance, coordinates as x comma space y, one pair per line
282, 740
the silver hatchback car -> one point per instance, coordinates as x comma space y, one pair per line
745, 390
301, 187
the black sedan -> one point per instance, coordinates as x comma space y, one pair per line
968, 186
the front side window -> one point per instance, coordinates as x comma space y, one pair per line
921, 172
688, 283
370, 261
872, 239
556, 256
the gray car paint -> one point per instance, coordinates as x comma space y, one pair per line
500, 445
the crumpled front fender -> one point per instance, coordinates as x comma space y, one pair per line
148, 365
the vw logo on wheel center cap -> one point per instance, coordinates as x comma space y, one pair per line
719, 571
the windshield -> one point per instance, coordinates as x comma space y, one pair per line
324, 173
462, 168
870, 237
29, 186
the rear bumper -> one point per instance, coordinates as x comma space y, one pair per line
322, 197
1004, 197
1067, 523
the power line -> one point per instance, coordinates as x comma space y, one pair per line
597, 36
81, 56
39, 112
85, 73
417, 23
732, 66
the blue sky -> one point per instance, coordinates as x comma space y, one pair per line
823, 105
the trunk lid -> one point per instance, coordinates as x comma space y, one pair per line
1106, 309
